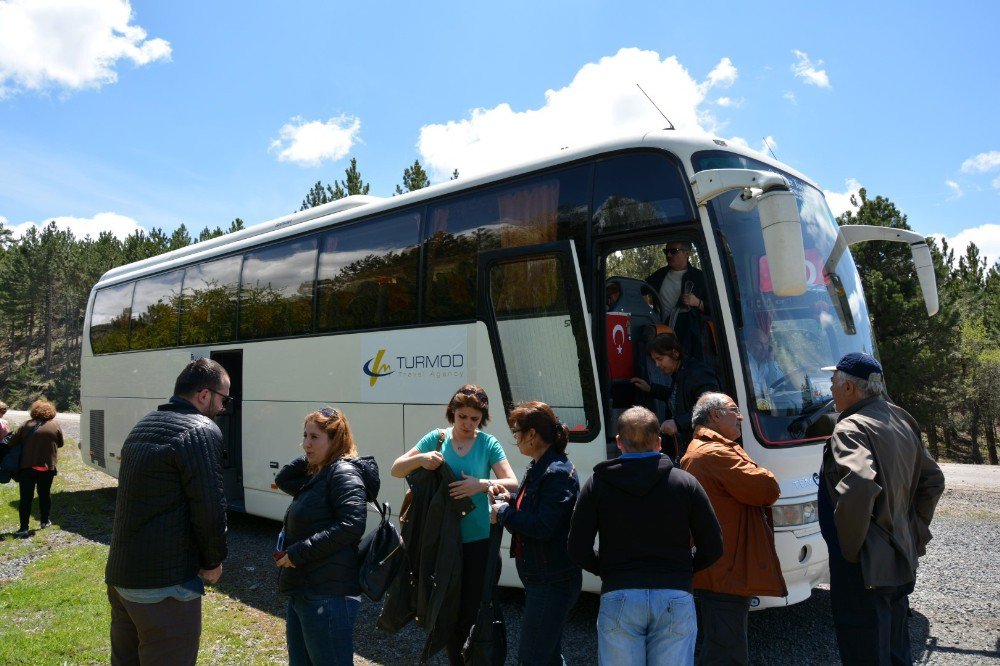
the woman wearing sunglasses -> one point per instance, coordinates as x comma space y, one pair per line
318, 550
472, 455
538, 517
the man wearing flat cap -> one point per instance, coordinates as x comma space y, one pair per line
877, 493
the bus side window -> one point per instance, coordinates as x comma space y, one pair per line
208, 301
276, 290
109, 321
155, 310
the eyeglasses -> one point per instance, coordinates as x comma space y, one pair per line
674, 250
732, 410
227, 400
330, 413
515, 431
479, 393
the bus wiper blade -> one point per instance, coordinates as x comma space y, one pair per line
799, 426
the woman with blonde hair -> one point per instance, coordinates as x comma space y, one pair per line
40, 438
318, 548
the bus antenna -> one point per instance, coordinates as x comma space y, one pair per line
768, 144
656, 107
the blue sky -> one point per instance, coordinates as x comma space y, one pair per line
117, 115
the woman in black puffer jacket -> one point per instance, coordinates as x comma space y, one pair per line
322, 529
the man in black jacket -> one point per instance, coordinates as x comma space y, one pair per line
647, 513
169, 534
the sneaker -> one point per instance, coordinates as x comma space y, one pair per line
47, 523
22, 534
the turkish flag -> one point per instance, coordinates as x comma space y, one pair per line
618, 333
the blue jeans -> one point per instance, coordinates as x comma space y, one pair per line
319, 629
546, 607
654, 627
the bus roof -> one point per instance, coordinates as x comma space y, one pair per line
343, 210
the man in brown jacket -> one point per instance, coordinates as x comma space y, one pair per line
741, 493
877, 494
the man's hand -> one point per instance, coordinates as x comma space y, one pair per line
431, 460
669, 427
210, 576
640, 384
467, 487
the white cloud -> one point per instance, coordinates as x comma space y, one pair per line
601, 100
312, 143
996, 183
730, 103
789, 96
69, 44
807, 71
986, 237
121, 226
982, 162
769, 145
956, 189
840, 202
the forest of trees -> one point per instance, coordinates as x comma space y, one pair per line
944, 369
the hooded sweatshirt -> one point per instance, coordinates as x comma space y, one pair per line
648, 514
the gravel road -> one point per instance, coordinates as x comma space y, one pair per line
956, 604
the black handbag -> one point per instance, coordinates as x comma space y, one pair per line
486, 644
380, 556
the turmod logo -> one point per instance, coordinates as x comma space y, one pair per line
374, 368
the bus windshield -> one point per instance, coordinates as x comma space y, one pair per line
784, 341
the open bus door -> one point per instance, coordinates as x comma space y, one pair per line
230, 422
531, 299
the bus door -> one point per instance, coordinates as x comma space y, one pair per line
531, 299
231, 424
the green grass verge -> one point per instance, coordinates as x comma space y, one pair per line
55, 610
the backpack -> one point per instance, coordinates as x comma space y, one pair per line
380, 556
10, 456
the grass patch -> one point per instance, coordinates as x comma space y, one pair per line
52, 593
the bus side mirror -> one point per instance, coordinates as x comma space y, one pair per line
778, 209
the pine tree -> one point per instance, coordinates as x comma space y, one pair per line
353, 183
414, 178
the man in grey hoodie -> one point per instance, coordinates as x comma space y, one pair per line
647, 513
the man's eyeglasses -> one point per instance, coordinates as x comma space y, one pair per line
227, 400
671, 251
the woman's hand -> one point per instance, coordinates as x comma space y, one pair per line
284, 562
495, 508
669, 427
467, 487
498, 493
640, 384
431, 460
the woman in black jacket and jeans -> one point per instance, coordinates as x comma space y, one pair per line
322, 529
538, 517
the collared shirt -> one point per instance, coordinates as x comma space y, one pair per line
640, 454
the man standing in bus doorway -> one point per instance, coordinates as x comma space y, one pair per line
647, 515
169, 535
682, 295
741, 492
877, 493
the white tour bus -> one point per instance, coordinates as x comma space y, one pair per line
384, 307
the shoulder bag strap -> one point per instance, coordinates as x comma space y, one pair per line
441, 436
496, 535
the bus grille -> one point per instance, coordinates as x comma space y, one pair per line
97, 437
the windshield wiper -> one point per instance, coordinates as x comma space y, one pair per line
799, 426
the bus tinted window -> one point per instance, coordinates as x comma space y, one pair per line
639, 190
367, 274
154, 311
208, 301
276, 290
110, 318
529, 212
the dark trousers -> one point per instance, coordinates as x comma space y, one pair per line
546, 607
722, 628
474, 556
27, 481
161, 634
872, 624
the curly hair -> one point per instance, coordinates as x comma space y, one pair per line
42, 410
333, 422
471, 396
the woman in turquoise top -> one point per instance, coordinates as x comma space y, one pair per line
471, 454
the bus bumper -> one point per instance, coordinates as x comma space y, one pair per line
804, 565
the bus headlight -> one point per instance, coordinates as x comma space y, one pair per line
792, 515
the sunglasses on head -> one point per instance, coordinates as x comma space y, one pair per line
479, 393
330, 413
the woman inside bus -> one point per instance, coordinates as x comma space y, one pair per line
538, 517
40, 439
472, 455
318, 548
690, 377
